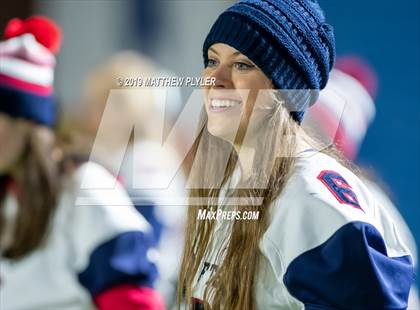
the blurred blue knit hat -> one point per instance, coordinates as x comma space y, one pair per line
288, 40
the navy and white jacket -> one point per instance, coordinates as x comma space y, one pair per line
330, 245
97, 253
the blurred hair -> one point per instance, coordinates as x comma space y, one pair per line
37, 187
133, 106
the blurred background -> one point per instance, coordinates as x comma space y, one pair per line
386, 34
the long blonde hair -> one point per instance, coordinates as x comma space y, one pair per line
228, 288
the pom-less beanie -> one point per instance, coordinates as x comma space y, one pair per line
289, 40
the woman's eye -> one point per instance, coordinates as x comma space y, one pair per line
241, 66
212, 62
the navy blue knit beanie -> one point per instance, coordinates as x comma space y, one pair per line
288, 40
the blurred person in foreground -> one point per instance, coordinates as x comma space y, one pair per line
123, 126
355, 83
55, 253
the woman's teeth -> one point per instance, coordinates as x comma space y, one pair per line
223, 103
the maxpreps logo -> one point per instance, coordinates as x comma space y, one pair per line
219, 215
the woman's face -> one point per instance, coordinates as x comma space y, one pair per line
12, 141
234, 95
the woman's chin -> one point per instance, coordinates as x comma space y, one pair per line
222, 132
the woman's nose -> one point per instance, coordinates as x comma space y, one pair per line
223, 77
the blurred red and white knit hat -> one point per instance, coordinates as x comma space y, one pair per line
27, 62
353, 83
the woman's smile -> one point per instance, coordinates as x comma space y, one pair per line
222, 105
220, 101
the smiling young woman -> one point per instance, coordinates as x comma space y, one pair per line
321, 240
